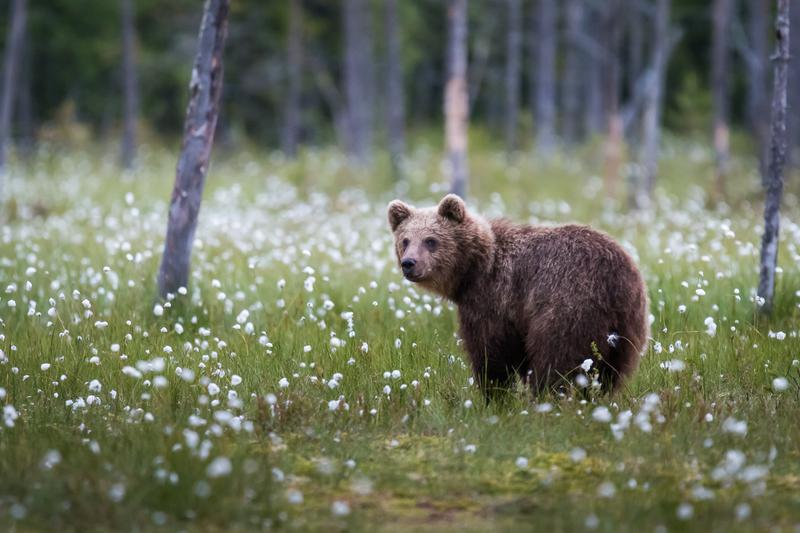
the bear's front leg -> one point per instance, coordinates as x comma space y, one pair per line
492, 376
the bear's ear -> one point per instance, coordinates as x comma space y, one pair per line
453, 208
398, 212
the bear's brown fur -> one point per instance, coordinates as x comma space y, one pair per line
532, 301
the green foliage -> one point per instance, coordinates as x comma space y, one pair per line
76, 51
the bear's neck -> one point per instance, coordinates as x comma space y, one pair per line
478, 253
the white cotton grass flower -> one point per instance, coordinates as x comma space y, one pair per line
577, 455
340, 508
587, 363
95, 386
521, 462
294, 497
283, 383
221, 466
606, 490
242, 317
780, 384
601, 414
684, 511
711, 326
612, 339
158, 310
10, 415
737, 427
673, 365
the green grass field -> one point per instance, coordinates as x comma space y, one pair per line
301, 384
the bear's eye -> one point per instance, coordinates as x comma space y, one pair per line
405, 243
431, 243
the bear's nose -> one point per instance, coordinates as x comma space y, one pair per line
408, 264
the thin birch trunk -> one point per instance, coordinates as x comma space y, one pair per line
13, 49
130, 85
573, 62
358, 79
651, 118
777, 160
456, 99
720, 66
294, 70
758, 30
614, 136
205, 90
544, 72
513, 80
395, 95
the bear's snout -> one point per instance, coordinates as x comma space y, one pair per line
408, 265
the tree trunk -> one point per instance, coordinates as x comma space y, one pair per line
130, 85
294, 68
544, 72
635, 48
513, 59
594, 68
635, 23
777, 160
720, 66
358, 79
613, 149
794, 81
24, 106
16, 32
205, 89
395, 96
573, 64
456, 99
758, 30
651, 116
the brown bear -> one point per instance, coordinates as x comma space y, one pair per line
536, 302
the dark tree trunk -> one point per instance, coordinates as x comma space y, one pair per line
16, 32
456, 99
294, 69
130, 85
653, 102
613, 150
758, 31
794, 81
26, 142
358, 79
395, 96
205, 89
480, 68
543, 70
720, 75
757, 108
777, 160
573, 67
595, 65
635, 23
635, 69
513, 80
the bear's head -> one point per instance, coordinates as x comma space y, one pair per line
439, 247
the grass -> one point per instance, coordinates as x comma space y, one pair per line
117, 417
